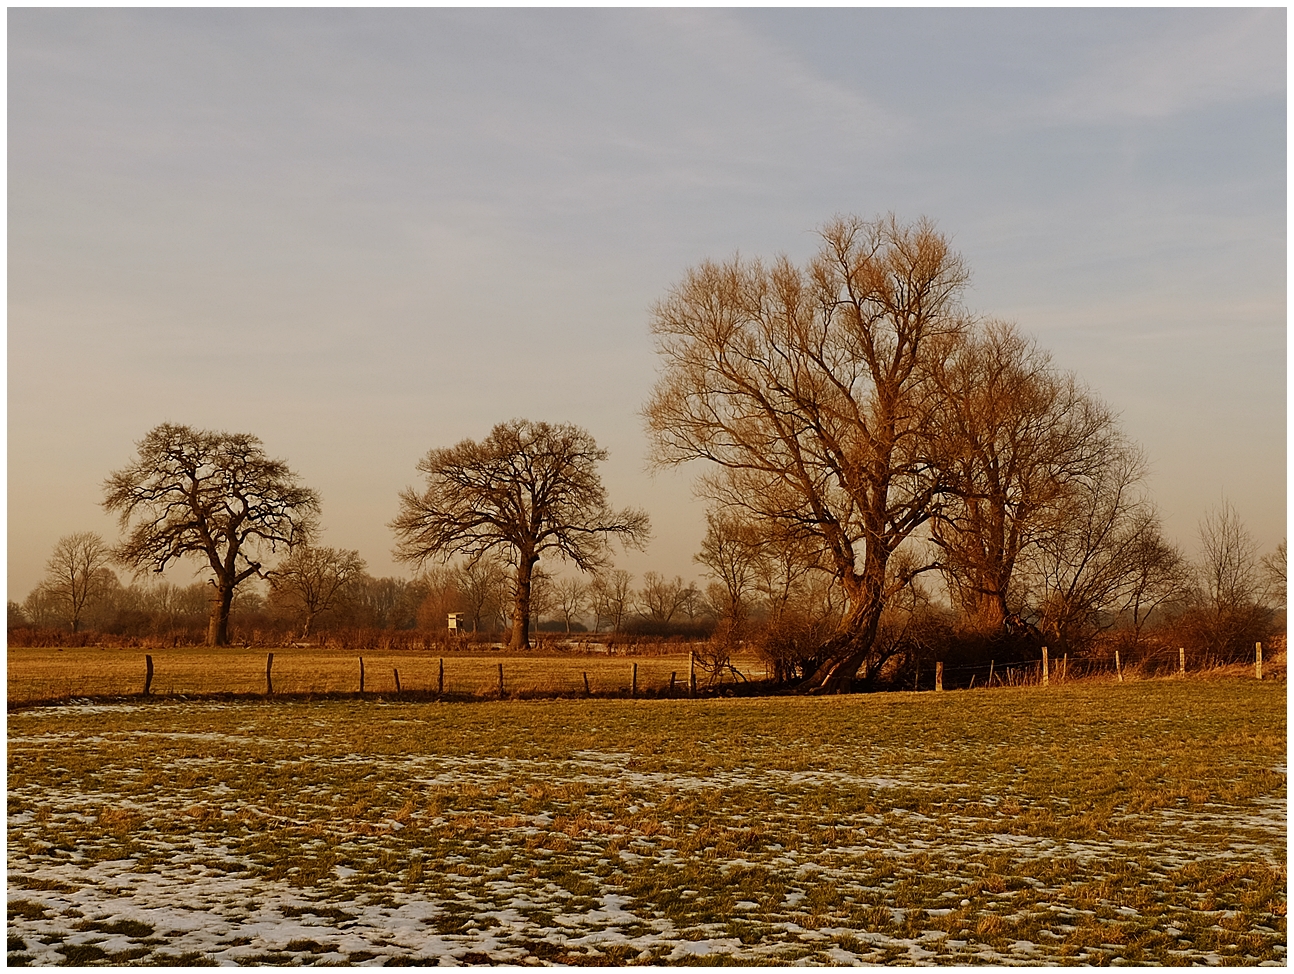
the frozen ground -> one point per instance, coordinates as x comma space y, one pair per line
129, 843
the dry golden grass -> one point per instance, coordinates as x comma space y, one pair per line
51, 674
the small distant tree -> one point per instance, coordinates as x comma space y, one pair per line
731, 551
1228, 614
77, 574
611, 594
526, 490
543, 598
311, 581
441, 596
1084, 570
1274, 571
213, 495
42, 609
483, 587
1158, 575
571, 596
661, 599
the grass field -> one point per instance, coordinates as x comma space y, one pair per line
38, 674
1092, 823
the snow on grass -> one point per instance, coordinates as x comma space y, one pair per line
863, 830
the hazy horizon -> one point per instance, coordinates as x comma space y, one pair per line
363, 234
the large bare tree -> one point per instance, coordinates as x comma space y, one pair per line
1017, 438
311, 581
811, 387
527, 489
76, 574
213, 495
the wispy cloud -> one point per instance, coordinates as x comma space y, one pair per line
1196, 60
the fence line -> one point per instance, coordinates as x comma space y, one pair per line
470, 676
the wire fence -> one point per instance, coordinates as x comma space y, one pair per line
38, 674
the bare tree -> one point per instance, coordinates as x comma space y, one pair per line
542, 597
571, 596
385, 603
311, 581
812, 388
693, 603
173, 605
527, 489
213, 495
1083, 572
1274, 570
483, 584
1229, 588
77, 574
660, 598
1158, 576
440, 595
1015, 439
42, 608
611, 593
732, 550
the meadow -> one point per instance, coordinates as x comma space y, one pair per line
1093, 822
48, 674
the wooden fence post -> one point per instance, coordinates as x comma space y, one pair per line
1064, 668
1045, 675
1118, 669
500, 681
1258, 660
148, 674
269, 679
1181, 660
672, 677
939, 676
989, 681
587, 691
633, 686
440, 680
361, 674
397, 679
691, 673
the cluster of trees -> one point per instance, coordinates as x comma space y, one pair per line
316, 590
527, 491
888, 476
860, 425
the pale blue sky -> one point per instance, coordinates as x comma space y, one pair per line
363, 234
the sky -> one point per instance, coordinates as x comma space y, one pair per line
364, 234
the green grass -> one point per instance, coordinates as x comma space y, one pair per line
1141, 822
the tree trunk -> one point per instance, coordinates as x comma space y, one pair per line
989, 613
846, 652
521, 605
218, 629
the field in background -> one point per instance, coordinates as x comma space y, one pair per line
44, 675
52, 674
1091, 823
